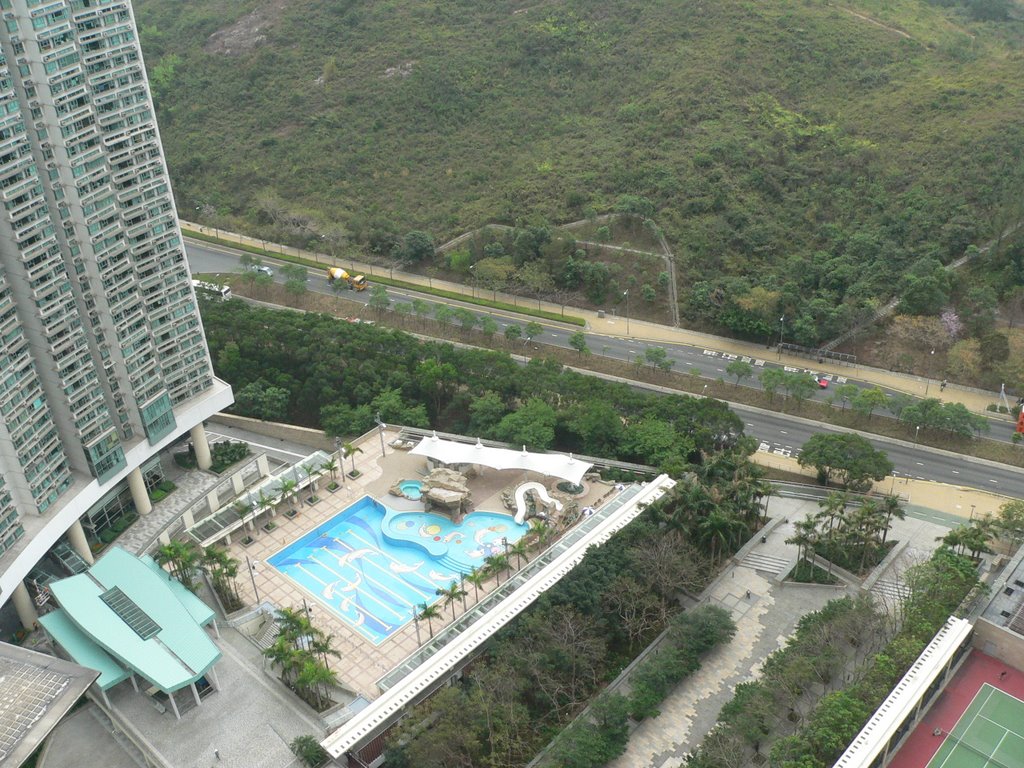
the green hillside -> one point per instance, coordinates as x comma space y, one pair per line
826, 153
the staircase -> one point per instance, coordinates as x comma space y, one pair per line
766, 563
137, 756
267, 634
890, 590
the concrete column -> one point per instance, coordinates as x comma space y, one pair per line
263, 465
237, 483
195, 693
78, 541
201, 446
213, 500
25, 607
137, 485
187, 517
174, 706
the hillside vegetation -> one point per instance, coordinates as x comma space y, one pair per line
802, 158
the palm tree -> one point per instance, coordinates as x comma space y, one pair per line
718, 529
451, 595
311, 675
264, 502
429, 612
477, 577
242, 509
287, 491
543, 531
286, 656
891, 507
331, 465
223, 569
805, 535
349, 451
496, 564
312, 473
184, 558
521, 550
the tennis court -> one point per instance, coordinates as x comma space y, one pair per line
989, 734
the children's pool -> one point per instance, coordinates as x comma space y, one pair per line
412, 489
375, 566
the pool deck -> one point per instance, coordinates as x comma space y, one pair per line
362, 662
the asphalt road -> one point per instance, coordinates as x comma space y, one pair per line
778, 433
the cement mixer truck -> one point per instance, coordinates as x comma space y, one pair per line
356, 283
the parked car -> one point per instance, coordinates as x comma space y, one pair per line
262, 269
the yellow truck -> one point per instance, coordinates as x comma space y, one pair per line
356, 283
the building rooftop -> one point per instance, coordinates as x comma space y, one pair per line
122, 609
36, 691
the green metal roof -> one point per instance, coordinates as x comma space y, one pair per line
83, 650
180, 652
198, 610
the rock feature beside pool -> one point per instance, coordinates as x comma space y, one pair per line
446, 490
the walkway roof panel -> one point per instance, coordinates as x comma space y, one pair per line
83, 650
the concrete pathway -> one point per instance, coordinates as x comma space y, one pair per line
193, 485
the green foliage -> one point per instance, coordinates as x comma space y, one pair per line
871, 156
226, 453
849, 457
691, 634
261, 400
309, 751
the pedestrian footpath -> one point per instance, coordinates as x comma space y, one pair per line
645, 331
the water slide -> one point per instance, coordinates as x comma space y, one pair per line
542, 494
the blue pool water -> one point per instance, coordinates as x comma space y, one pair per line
375, 566
411, 488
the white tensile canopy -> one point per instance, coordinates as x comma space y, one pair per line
553, 464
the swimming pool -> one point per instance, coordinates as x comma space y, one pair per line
375, 566
412, 489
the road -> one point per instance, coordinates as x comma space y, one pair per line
779, 433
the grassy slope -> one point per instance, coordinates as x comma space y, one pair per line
763, 132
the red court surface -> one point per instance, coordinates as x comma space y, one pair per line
949, 705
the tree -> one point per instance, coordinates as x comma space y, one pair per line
533, 330
184, 560
867, 400
771, 379
578, 341
331, 465
379, 300
846, 392
308, 750
348, 450
416, 246
451, 594
739, 370
851, 458
488, 326
513, 333
430, 612
1009, 522
477, 577
532, 425
260, 400
286, 491
994, 348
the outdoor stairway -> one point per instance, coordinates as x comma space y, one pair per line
767, 563
890, 590
123, 741
267, 634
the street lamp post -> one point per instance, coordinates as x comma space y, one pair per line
928, 378
381, 426
626, 294
917, 432
472, 271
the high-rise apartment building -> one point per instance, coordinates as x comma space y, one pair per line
103, 361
